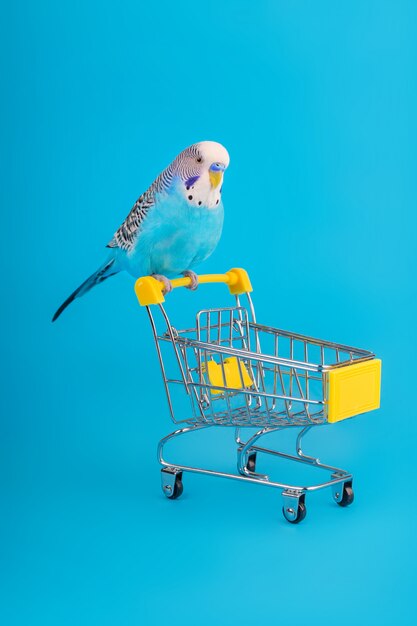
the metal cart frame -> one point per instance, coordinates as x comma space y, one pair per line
229, 380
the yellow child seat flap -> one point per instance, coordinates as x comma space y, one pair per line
235, 371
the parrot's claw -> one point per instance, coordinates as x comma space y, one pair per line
194, 279
167, 283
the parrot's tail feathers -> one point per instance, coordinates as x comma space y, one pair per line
103, 272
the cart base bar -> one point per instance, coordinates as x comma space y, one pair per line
294, 508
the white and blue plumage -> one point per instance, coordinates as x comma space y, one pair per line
175, 225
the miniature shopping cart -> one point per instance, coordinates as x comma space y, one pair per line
235, 372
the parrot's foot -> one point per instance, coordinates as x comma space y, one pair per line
194, 279
167, 283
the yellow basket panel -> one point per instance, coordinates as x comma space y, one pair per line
234, 371
353, 389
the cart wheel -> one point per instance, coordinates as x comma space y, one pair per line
348, 496
251, 464
171, 483
301, 513
177, 491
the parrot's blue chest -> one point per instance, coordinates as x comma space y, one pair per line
174, 236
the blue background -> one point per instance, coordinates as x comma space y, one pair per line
316, 103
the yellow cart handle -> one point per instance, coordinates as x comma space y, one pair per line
149, 290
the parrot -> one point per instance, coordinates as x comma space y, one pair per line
173, 226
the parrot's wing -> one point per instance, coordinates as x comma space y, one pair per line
125, 236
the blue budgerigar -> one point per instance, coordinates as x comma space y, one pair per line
173, 226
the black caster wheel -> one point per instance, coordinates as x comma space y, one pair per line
171, 483
177, 490
347, 496
251, 464
301, 513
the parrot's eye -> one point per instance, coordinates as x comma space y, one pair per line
199, 159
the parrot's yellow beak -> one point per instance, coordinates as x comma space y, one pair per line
215, 178
216, 174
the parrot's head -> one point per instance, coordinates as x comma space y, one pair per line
200, 169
